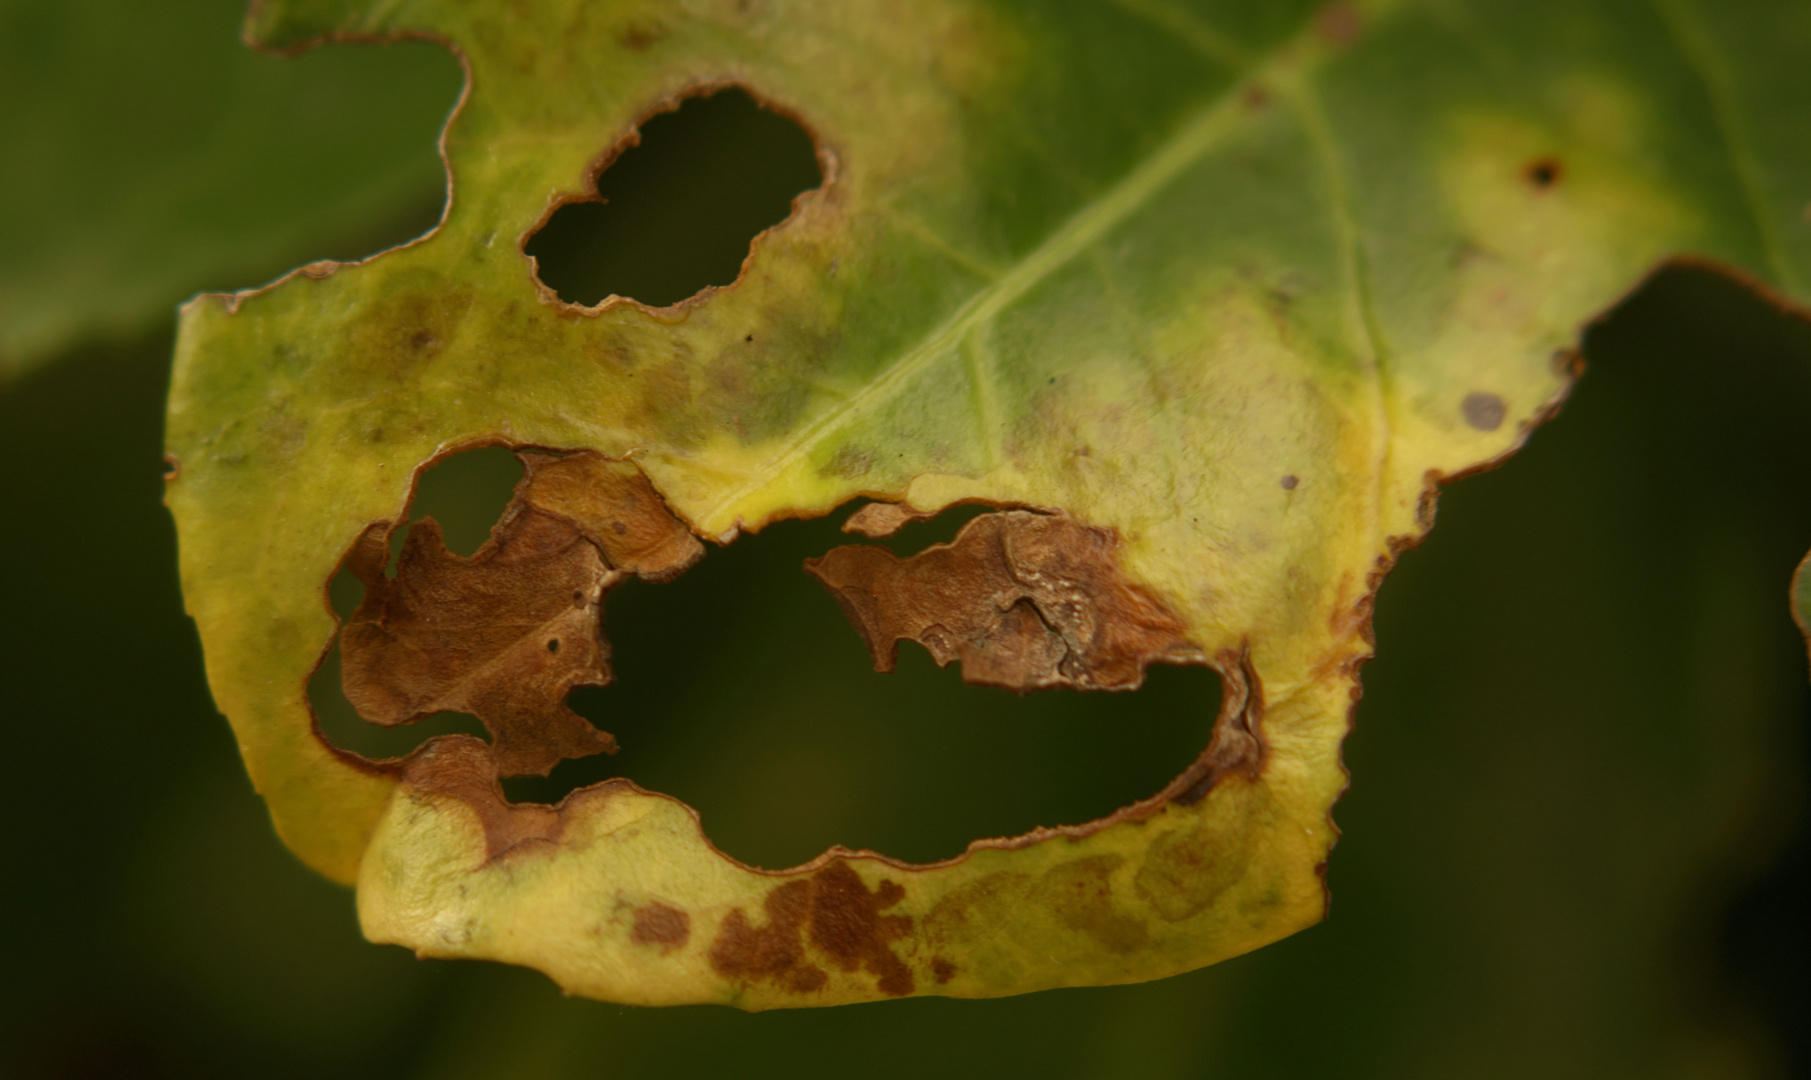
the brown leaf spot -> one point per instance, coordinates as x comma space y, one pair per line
842, 920
848, 462
472, 635
408, 329
1289, 482
659, 924
1484, 411
615, 507
1543, 173
1080, 893
878, 519
976, 911
638, 37
1185, 872
942, 970
775, 951
1023, 600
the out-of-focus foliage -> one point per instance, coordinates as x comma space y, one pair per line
149, 154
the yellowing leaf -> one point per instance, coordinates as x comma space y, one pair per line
1218, 292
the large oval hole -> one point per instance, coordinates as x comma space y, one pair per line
676, 214
741, 689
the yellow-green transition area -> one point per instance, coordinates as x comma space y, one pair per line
1236, 285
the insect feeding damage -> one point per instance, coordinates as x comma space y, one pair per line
505, 634
1024, 600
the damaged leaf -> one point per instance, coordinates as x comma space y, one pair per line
1023, 600
505, 634
1208, 299
502, 635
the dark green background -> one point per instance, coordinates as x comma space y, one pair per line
1572, 847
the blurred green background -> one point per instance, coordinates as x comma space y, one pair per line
1574, 845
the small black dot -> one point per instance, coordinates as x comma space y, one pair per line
553, 645
1543, 173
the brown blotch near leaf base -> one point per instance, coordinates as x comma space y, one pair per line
461, 767
1484, 411
616, 508
878, 519
1023, 600
479, 636
942, 970
659, 924
835, 912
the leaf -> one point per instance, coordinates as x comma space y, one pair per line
1233, 289
152, 155
1024, 600
505, 634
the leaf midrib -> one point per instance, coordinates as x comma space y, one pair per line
1188, 145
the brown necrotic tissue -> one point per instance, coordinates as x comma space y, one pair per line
505, 634
1022, 599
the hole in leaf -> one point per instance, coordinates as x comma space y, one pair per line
743, 690
344, 728
678, 211
465, 493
